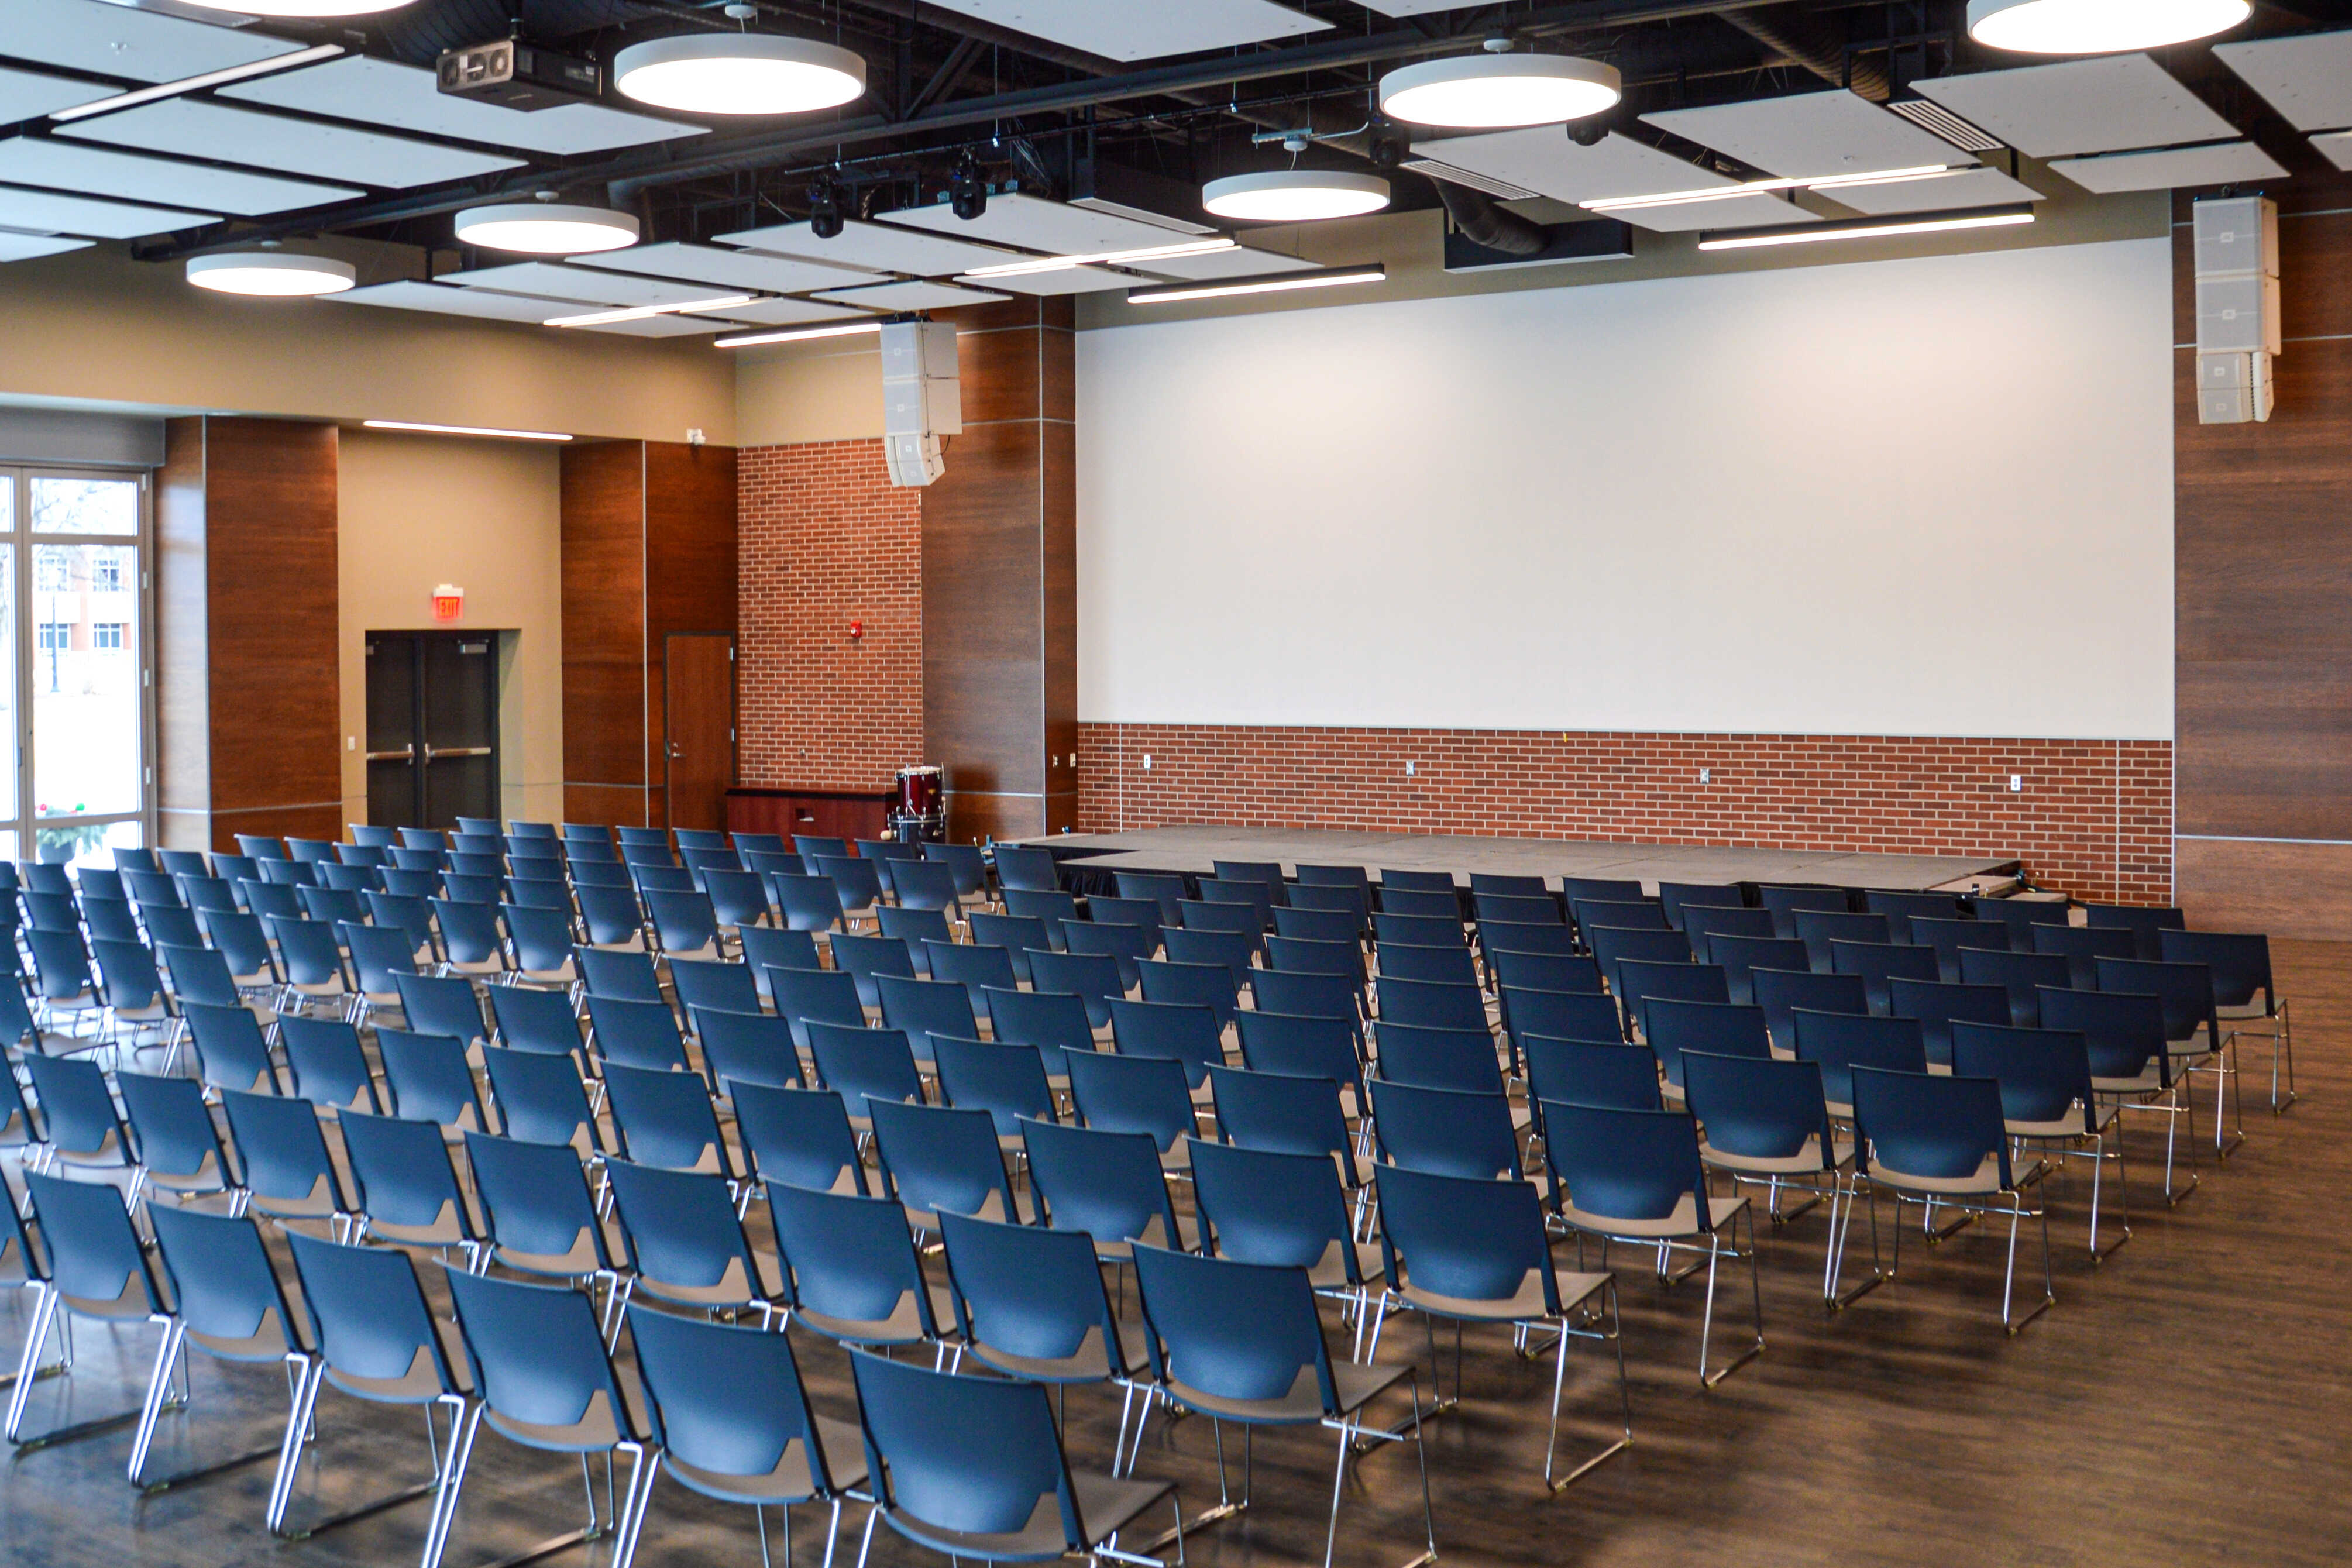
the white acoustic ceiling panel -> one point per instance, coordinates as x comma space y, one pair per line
661, 327
1033, 223
91, 171
1975, 186
2080, 106
912, 296
118, 41
553, 281
1143, 29
2172, 168
1543, 160
1069, 280
735, 269
2336, 147
26, 246
874, 245
28, 95
788, 312
405, 98
1806, 134
2307, 79
225, 136
1241, 261
480, 305
1759, 209
49, 212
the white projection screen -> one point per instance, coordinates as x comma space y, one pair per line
1920, 497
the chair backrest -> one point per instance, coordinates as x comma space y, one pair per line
538, 1357
534, 1020
1053, 1023
624, 976
127, 974
540, 1097
610, 913
1536, 910
849, 1259
1678, 897
1628, 1165
964, 864
766, 948
1615, 945
1591, 1072
1188, 1034
1264, 1205
410, 915
231, 1052
1289, 1114
1192, 1307
684, 922
799, 1136
224, 1286
330, 1068
2146, 924
1463, 1238
2044, 1074
1093, 977
976, 967
1442, 1129
1439, 1059
1308, 921
1701, 923
1719, 1028
727, 1399
965, 1456
924, 885
77, 1113
854, 877
926, 1009
1241, 918
1640, 914
1640, 984
1780, 991
174, 1133
442, 1004
684, 1238
868, 958
1020, 866
916, 928
1944, 1128
1309, 955
1948, 938
1052, 905
860, 1063
1818, 928
2238, 963
636, 1034
807, 903
1879, 965
1513, 968
1308, 995
2187, 990
369, 1321
1028, 1292
1901, 908
1170, 983
935, 1159
1560, 1015
1257, 895
1939, 1006
2122, 1031
536, 1205
541, 937
1016, 934
1760, 1108
1442, 929
1785, 901
2018, 973
1741, 956
664, 1119
1841, 1042
1416, 881
1120, 1093
402, 1181
748, 1045
1301, 1046
1126, 945
2081, 945
805, 996
1008, 1081
281, 1156
1108, 1185
704, 982
1448, 965
428, 1078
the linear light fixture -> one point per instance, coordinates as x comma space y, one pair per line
639, 312
464, 430
1269, 283
198, 83
1028, 265
798, 334
1863, 228
1752, 187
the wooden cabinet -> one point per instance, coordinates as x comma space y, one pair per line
828, 814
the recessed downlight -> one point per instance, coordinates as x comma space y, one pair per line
546, 229
2098, 26
270, 274
1493, 91
1295, 195
739, 73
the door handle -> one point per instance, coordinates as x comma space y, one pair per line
433, 752
406, 754
675, 750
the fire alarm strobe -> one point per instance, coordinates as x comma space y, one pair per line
448, 602
857, 631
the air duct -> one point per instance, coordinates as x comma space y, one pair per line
1481, 222
1808, 43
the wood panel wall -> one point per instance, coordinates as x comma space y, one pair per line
648, 549
2263, 518
246, 634
1000, 578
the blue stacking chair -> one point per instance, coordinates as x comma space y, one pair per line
1239, 918
1094, 978
2081, 945
541, 1098
1781, 991
1164, 891
540, 941
404, 1187
1840, 1042
1636, 1177
1451, 1131
231, 1051
1719, 1028
1901, 908
471, 943
611, 916
1278, 1371
1316, 919
1943, 1143
810, 904
1306, 955
1475, 1252
856, 880
2132, 1066
765, 947
79, 1125
1026, 868
1055, 1024
964, 864
283, 1168
1126, 945
1249, 892
1784, 902
1310, 1047
537, 1021
1592, 1072
2246, 994
805, 996
2049, 1101
427, 1079
703, 985
1950, 937
442, 1004
328, 1065
624, 976
1561, 1014
748, 1046
1110, 1185
544, 1379
664, 1120
538, 1216
978, 969
798, 1136
1741, 956
1879, 965
919, 929
926, 1009
1427, 881
1309, 996
1676, 898
936, 1160
1018, 935
1440, 929
1939, 1006
1173, 982
1705, 922
1439, 1058
1818, 928
1285, 1114
1433, 904
636, 1034
685, 924
1052, 906
1152, 1094
1614, 946
683, 1233
1286, 1207
1639, 983
851, 1270
95, 1268
925, 885
730, 1419
1187, 1034
1766, 1123
2021, 915
864, 1064
2192, 1028
2146, 924
2019, 974
1008, 1081
867, 959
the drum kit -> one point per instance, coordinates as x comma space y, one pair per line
918, 814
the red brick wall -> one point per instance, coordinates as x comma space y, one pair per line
2094, 817
823, 538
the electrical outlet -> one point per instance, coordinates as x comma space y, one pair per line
2017, 783
1409, 770
1707, 776
351, 742
1147, 761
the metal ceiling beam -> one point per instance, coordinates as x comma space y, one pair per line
668, 163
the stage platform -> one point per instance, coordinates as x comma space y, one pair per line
1195, 849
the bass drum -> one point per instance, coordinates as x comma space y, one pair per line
922, 792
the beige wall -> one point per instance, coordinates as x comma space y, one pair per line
826, 390
95, 325
422, 509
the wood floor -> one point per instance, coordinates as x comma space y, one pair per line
2184, 1403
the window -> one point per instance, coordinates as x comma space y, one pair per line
56, 637
106, 577
107, 634
49, 572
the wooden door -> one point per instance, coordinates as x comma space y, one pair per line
698, 721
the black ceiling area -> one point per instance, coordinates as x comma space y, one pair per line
944, 89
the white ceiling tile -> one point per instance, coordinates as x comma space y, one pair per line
225, 136
553, 281
1033, 223
48, 212
1241, 261
26, 246
1070, 280
1833, 132
381, 92
1757, 209
1543, 160
873, 245
2080, 106
1143, 29
661, 327
118, 41
2172, 168
1972, 187
735, 269
480, 305
2336, 147
2308, 79
912, 296
90, 171
28, 95
787, 312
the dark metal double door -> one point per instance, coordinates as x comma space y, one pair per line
432, 728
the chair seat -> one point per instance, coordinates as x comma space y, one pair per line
1106, 1503
1357, 1386
2244, 1010
1683, 1222
731, 1290
2070, 1125
1984, 1180
1525, 1305
1805, 1162
1087, 1364
792, 1481
597, 1431
1188, 1239
904, 1326
2149, 1081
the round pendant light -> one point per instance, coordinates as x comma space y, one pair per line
270, 274
1494, 90
311, 8
2098, 26
739, 73
1295, 195
546, 229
